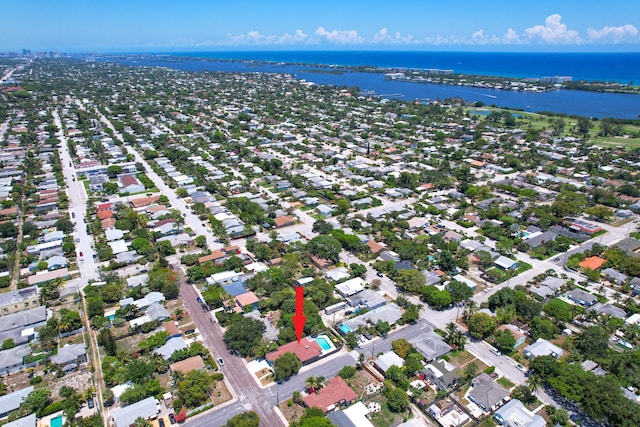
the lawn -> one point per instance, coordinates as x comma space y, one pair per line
459, 358
385, 417
504, 382
612, 141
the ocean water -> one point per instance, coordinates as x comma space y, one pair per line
615, 67
599, 66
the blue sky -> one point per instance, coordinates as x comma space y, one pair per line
214, 25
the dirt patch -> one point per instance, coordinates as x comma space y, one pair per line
360, 381
80, 381
220, 393
291, 412
267, 380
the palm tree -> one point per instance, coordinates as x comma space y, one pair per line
471, 308
314, 383
179, 313
534, 382
141, 422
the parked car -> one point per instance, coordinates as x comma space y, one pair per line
161, 422
80, 253
521, 368
220, 361
172, 418
379, 274
90, 403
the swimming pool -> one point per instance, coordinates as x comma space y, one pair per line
56, 422
344, 328
323, 343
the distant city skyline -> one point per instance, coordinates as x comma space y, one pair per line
163, 26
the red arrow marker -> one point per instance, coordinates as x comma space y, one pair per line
299, 318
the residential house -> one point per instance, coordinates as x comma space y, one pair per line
247, 300
28, 421
442, 374
610, 310
308, 351
47, 276
70, 357
130, 184
614, 276
12, 359
581, 297
284, 221
517, 333
18, 300
514, 414
486, 393
334, 394
355, 415
12, 401
146, 409
56, 262
367, 298
21, 326
350, 287
324, 210
542, 347
387, 360
194, 363
504, 263
172, 345
431, 346
592, 263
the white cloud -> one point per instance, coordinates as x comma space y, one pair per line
255, 38
479, 37
511, 37
340, 36
553, 32
623, 33
383, 36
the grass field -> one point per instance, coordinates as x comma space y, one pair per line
543, 122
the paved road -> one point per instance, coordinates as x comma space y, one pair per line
77, 207
240, 381
191, 220
387, 285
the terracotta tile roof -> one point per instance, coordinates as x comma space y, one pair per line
103, 206
231, 249
305, 351
187, 365
171, 328
248, 298
335, 392
128, 180
282, 221
108, 223
375, 246
144, 201
9, 211
105, 214
217, 254
593, 263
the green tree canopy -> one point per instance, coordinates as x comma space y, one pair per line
285, 366
244, 335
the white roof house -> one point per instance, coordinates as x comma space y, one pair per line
387, 360
126, 416
350, 287
543, 347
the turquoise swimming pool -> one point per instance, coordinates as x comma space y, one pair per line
56, 422
344, 328
323, 343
